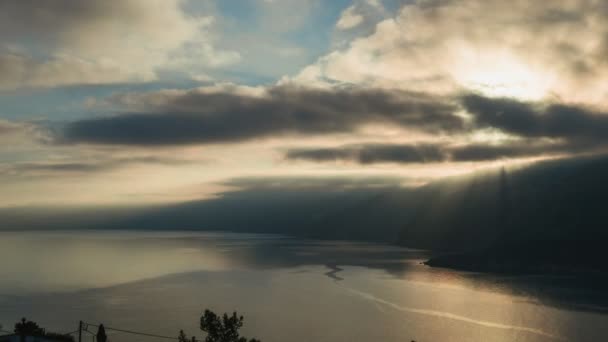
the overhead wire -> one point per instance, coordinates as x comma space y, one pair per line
135, 332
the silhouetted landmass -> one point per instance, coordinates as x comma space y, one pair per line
548, 216
530, 257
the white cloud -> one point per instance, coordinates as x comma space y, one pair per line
529, 50
349, 19
99, 41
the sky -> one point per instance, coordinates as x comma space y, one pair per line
160, 101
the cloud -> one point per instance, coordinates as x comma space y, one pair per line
545, 49
514, 150
46, 168
8, 127
224, 115
233, 114
324, 184
19, 70
372, 153
364, 154
361, 12
15, 134
529, 119
536, 129
427, 153
65, 42
349, 19
75, 166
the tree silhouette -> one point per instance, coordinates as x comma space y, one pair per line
182, 337
28, 328
224, 328
101, 334
25, 328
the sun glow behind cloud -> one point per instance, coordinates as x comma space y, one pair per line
500, 74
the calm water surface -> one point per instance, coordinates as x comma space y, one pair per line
288, 290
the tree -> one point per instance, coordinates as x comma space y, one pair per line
28, 328
101, 334
224, 328
182, 336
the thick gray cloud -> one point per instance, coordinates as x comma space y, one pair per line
203, 117
227, 115
372, 153
433, 153
519, 149
537, 120
481, 152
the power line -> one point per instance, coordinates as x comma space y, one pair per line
136, 332
113, 329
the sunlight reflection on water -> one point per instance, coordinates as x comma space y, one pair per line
161, 282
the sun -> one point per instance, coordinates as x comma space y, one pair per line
501, 75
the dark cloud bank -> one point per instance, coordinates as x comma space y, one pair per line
226, 117
197, 117
426, 153
542, 129
534, 120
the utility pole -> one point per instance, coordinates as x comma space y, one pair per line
80, 331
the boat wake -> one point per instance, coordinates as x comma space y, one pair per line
451, 316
